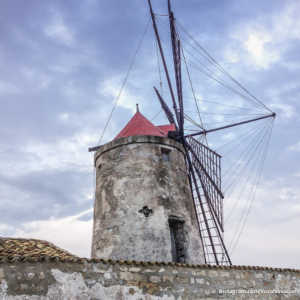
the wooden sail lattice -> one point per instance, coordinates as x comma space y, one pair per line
209, 163
205, 176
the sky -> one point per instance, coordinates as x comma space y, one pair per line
63, 64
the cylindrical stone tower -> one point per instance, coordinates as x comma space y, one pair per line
144, 209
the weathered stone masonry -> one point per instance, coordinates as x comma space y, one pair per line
143, 206
59, 279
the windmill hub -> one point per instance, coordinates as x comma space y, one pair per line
175, 135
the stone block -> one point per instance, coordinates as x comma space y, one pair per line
1, 274
30, 275
200, 280
213, 273
224, 274
155, 279
149, 271
107, 275
41, 275
23, 287
139, 277
99, 269
182, 279
135, 270
246, 275
126, 276
259, 275
201, 273
168, 278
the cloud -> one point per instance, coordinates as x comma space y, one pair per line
228, 136
36, 78
285, 111
6, 230
50, 193
55, 178
256, 45
62, 154
111, 88
8, 88
59, 31
287, 22
275, 212
295, 147
264, 40
274, 246
64, 117
72, 233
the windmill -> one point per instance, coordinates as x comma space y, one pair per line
204, 164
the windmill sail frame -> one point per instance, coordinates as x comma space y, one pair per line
203, 163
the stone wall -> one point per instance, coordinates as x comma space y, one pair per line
99, 279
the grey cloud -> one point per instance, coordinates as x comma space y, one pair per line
44, 194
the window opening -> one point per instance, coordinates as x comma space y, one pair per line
165, 154
177, 239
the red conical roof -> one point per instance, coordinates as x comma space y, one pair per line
139, 125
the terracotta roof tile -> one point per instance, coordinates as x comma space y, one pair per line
31, 248
167, 128
14, 250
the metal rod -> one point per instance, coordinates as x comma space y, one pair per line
92, 149
177, 65
163, 59
220, 185
181, 111
165, 108
272, 115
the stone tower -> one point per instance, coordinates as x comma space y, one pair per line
143, 208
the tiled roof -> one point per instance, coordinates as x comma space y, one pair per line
31, 248
167, 128
140, 125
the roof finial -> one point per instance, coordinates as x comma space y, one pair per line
137, 107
